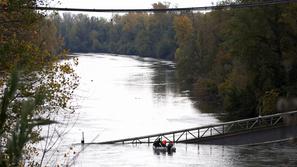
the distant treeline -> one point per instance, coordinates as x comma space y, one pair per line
244, 59
149, 35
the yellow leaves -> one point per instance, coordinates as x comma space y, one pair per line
3, 2
130, 21
184, 29
55, 86
268, 102
65, 68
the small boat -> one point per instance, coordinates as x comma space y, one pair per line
161, 149
164, 149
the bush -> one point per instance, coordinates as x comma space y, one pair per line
268, 102
205, 89
238, 103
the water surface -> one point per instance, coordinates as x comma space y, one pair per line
120, 97
124, 96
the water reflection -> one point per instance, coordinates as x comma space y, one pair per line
163, 82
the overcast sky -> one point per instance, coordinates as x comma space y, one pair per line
109, 4
126, 4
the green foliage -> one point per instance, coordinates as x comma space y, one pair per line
22, 133
8, 95
238, 103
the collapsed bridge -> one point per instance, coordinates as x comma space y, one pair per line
269, 128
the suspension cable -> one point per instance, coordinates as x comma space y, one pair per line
204, 8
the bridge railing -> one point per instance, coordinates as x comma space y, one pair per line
184, 135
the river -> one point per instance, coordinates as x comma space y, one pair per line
128, 96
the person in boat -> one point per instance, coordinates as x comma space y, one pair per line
169, 146
157, 143
163, 143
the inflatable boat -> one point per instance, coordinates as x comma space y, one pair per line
164, 149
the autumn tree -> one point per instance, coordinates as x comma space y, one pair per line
242, 58
34, 84
258, 40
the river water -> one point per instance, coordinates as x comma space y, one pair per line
124, 96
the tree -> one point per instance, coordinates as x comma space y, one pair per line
257, 40
34, 84
184, 55
243, 58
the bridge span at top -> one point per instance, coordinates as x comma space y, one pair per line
201, 134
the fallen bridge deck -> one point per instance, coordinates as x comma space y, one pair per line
204, 133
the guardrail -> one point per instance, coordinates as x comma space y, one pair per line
182, 136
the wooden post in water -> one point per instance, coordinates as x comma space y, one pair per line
82, 138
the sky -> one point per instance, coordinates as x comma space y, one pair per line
126, 4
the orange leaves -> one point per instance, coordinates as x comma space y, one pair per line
184, 29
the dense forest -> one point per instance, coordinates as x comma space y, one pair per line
35, 86
150, 35
243, 59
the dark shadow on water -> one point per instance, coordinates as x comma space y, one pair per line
164, 153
